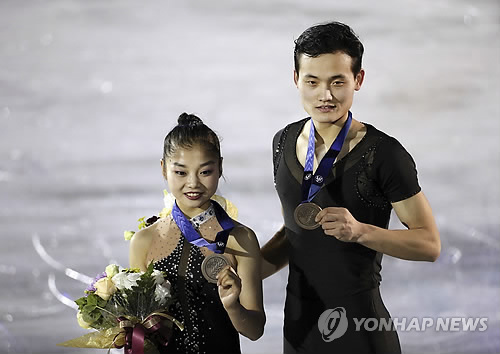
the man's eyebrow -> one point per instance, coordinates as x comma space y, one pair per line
339, 76
334, 77
178, 164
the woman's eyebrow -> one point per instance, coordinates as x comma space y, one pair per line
210, 162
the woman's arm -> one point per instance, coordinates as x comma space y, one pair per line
139, 247
247, 315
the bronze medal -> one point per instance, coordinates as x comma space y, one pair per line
212, 265
305, 214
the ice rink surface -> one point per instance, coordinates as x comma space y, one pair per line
88, 89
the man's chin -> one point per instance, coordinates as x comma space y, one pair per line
326, 118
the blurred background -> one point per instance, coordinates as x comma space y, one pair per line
88, 90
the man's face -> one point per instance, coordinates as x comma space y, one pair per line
326, 85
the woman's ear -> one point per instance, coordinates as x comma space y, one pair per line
163, 172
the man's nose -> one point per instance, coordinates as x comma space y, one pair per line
325, 95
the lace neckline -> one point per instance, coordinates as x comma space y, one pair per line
203, 217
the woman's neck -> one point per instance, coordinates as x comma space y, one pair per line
192, 212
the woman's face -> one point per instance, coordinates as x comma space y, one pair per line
192, 176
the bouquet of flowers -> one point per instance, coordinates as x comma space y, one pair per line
128, 308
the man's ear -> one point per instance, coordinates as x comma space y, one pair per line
163, 172
295, 77
359, 79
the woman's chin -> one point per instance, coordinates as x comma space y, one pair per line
188, 205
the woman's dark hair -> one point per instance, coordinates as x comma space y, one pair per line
190, 131
329, 38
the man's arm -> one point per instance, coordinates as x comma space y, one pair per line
274, 254
419, 243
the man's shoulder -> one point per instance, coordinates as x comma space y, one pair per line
386, 145
289, 126
380, 135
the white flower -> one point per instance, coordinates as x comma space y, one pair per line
158, 276
168, 200
126, 280
112, 270
162, 292
105, 288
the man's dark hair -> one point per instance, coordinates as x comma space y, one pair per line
327, 38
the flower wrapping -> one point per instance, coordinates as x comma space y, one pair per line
128, 308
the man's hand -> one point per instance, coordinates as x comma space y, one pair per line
340, 223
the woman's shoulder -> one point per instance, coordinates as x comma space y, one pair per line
244, 237
146, 234
242, 230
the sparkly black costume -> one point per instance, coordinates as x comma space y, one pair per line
208, 328
325, 273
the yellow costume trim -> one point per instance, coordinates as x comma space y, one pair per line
226, 204
168, 200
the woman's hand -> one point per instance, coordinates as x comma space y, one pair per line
229, 285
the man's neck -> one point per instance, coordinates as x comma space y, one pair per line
327, 132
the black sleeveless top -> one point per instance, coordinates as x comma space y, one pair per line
325, 273
207, 327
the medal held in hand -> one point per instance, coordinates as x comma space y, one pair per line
212, 265
305, 213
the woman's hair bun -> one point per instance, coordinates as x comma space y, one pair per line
189, 120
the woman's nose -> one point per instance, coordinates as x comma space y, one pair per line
192, 180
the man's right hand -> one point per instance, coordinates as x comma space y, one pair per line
274, 254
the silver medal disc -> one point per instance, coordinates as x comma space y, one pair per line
212, 265
305, 215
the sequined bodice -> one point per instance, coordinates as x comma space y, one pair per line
208, 328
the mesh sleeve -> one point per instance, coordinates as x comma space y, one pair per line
396, 171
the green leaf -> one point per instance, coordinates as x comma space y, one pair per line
88, 309
142, 223
101, 302
92, 299
91, 317
81, 302
127, 235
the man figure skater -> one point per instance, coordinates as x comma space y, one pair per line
338, 179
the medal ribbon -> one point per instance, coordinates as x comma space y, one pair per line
311, 184
189, 232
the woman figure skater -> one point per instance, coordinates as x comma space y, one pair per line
198, 229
